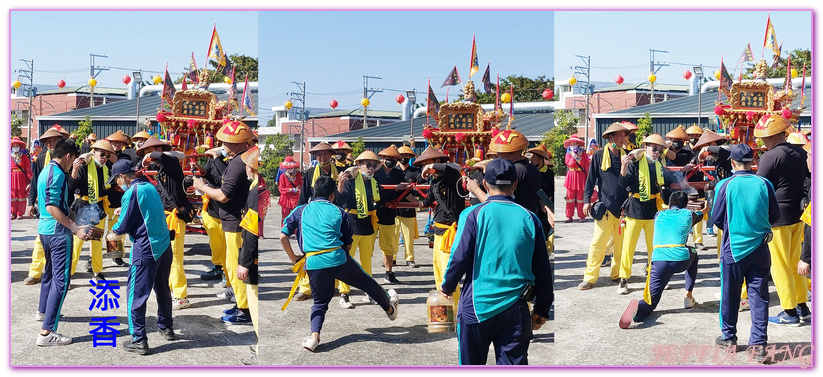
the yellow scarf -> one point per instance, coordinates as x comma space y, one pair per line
645, 183
300, 269
360, 196
317, 173
94, 187
607, 159
806, 217
249, 221
544, 168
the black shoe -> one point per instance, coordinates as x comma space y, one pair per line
98, 277
141, 347
390, 279
727, 343
216, 273
120, 262
168, 333
607, 261
759, 354
88, 267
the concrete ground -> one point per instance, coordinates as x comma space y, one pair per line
586, 321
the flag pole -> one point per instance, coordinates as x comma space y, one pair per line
428, 100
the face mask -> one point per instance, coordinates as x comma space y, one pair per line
405, 161
98, 163
124, 187
694, 141
290, 171
390, 163
139, 144
677, 144
223, 152
366, 176
15, 149
339, 157
633, 138
614, 145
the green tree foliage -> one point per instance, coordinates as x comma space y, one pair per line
800, 59
17, 125
644, 126
525, 89
358, 147
275, 149
565, 126
84, 130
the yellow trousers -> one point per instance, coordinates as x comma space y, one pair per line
630, 237
550, 244
234, 240
785, 248
96, 252
388, 239
440, 261
217, 242
407, 226
254, 308
177, 276
366, 246
606, 233
38, 259
697, 234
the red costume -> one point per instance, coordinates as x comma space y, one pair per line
289, 188
577, 165
263, 201
20, 179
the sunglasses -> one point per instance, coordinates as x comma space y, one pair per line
656, 149
370, 165
103, 153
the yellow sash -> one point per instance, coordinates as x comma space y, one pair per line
361, 199
317, 173
448, 237
171, 219
300, 269
92, 181
806, 217
372, 213
644, 184
607, 159
658, 200
249, 221
205, 199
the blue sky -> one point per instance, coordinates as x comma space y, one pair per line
60, 42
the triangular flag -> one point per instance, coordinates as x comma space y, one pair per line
168, 87
432, 104
215, 49
247, 103
452, 79
725, 78
487, 84
192, 74
770, 40
474, 67
746, 56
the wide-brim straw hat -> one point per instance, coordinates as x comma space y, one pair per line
235, 132
390, 152
251, 157
341, 145
678, 133
808, 147
654, 139
103, 145
707, 138
574, 139
51, 133
141, 135
153, 142
366, 155
615, 127
406, 150
509, 141
629, 126
771, 125
429, 154
323, 146
541, 151
60, 129
289, 163
797, 138
16, 140
119, 136
92, 136
694, 130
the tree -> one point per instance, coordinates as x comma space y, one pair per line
644, 126
525, 89
16, 126
83, 130
358, 147
800, 59
275, 150
565, 126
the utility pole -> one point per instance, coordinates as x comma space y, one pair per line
367, 93
301, 96
29, 74
653, 64
94, 71
586, 70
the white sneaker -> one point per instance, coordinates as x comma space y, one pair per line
180, 303
744, 304
689, 302
367, 300
393, 301
310, 343
623, 287
227, 293
52, 339
345, 303
39, 317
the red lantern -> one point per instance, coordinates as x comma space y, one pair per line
427, 133
333, 104
126, 79
786, 113
400, 99
687, 74
548, 94
61, 84
619, 80
161, 117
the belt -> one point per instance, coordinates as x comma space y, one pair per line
448, 237
372, 213
576, 169
658, 200
300, 269
171, 219
103, 199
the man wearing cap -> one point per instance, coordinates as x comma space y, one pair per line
55, 231
540, 157
247, 260
577, 163
341, 150
644, 176
605, 176
118, 141
694, 132
745, 208
143, 219
213, 173
357, 193
178, 210
784, 165
407, 217
231, 198
388, 174
443, 190
499, 248
49, 140
88, 181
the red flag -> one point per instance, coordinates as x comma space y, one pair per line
787, 84
233, 90
803, 87
184, 86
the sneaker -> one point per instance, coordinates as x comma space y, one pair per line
300, 296
726, 343
393, 301
345, 303
138, 347
214, 274
88, 267
52, 339
607, 261
180, 303
623, 287
168, 333
805, 314
120, 262
551, 256
230, 311
699, 246
310, 343
744, 305
667, 287
366, 299
689, 302
784, 319
98, 277
412, 264
628, 315
30, 280
238, 318
227, 293
390, 278
759, 354
585, 286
